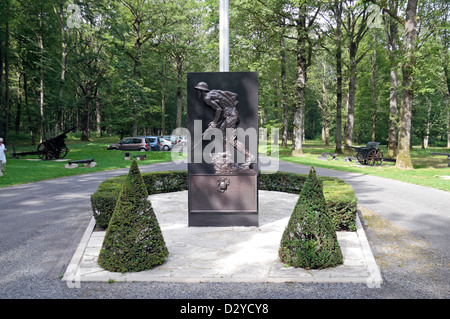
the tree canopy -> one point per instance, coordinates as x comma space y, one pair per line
346, 71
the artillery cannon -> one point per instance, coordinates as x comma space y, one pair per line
54, 148
368, 155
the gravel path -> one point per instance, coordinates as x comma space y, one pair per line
42, 223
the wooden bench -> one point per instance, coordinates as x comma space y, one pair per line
445, 154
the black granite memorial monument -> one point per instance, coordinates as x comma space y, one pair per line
222, 121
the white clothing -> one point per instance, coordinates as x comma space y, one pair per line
2, 153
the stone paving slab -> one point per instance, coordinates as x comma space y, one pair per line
228, 254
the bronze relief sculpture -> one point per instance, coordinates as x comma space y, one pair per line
226, 119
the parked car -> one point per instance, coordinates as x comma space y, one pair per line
181, 140
166, 145
169, 138
155, 142
138, 143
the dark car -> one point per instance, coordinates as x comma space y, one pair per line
138, 143
154, 141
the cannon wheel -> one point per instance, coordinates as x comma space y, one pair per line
361, 159
46, 150
375, 157
62, 152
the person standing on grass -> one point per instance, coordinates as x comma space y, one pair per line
2, 155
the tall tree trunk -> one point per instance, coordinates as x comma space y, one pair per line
30, 122
356, 26
299, 109
374, 88
348, 134
1, 87
446, 41
98, 113
300, 85
427, 126
338, 139
163, 105
85, 133
7, 93
179, 64
137, 75
275, 103
404, 140
41, 78
285, 107
447, 103
391, 45
19, 104
323, 105
62, 79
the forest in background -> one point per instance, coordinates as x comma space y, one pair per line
348, 72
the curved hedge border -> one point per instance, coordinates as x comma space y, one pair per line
339, 196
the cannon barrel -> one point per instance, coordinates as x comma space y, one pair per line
65, 132
83, 161
353, 147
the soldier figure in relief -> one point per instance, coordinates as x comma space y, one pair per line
226, 117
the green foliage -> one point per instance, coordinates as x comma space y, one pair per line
341, 204
127, 59
133, 240
340, 199
309, 240
165, 182
281, 182
37, 170
339, 196
104, 200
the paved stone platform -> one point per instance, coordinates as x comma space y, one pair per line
227, 254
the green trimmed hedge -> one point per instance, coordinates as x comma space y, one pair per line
104, 200
309, 240
339, 196
165, 182
133, 241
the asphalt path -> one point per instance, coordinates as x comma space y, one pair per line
41, 225
422, 210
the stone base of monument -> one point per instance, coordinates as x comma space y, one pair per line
223, 200
226, 254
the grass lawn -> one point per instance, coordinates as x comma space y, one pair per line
31, 169
429, 170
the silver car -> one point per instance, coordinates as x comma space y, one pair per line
166, 145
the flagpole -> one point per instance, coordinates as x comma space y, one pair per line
224, 60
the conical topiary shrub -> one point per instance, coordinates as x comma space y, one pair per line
133, 240
309, 240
